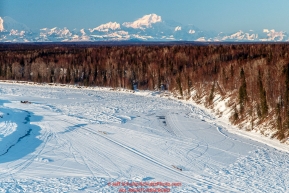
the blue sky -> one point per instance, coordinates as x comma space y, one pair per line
219, 15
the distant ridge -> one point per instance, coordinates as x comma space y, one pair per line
150, 27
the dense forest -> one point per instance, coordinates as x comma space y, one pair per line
255, 77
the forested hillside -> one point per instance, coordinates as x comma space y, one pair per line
254, 77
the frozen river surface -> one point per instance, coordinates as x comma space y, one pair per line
81, 140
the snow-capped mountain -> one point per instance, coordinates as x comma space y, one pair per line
107, 27
9, 24
54, 34
1, 25
147, 28
144, 22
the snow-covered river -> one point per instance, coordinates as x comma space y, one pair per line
81, 140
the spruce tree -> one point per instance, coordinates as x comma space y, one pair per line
263, 100
242, 91
211, 96
287, 97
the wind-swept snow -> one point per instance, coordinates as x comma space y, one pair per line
83, 139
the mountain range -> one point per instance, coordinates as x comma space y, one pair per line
147, 28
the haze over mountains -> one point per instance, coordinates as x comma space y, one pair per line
147, 28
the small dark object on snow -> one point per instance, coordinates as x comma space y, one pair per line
178, 168
103, 132
26, 102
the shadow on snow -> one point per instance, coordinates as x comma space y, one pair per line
26, 143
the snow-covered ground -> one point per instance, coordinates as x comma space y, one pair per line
88, 140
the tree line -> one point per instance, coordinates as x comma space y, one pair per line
254, 76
